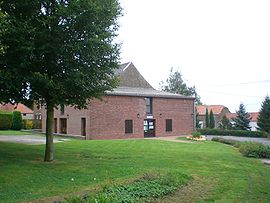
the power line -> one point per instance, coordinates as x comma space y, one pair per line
234, 84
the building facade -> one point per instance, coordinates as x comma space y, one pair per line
218, 110
133, 110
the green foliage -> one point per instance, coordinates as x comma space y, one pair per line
17, 120
211, 120
242, 120
5, 120
239, 133
227, 141
256, 150
196, 134
207, 121
28, 124
175, 84
225, 123
58, 52
264, 116
148, 187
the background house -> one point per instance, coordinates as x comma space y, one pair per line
132, 110
27, 113
218, 110
254, 119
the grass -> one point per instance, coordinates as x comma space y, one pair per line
15, 132
220, 173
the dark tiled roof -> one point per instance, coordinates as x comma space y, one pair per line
144, 92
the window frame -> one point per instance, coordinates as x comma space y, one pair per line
129, 126
168, 125
150, 105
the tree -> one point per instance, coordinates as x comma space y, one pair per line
264, 116
225, 123
211, 120
207, 124
175, 84
242, 119
60, 52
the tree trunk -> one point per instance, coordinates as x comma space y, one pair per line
49, 133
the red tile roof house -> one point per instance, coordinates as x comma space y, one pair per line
27, 113
218, 110
132, 110
254, 119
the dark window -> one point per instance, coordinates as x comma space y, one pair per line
148, 105
128, 126
62, 109
24, 114
168, 125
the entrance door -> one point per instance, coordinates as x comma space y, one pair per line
63, 125
55, 125
149, 128
83, 127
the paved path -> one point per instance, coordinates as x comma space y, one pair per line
264, 141
28, 139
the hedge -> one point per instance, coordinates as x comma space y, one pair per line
248, 149
238, 133
17, 120
5, 120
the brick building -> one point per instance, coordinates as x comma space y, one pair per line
132, 110
218, 111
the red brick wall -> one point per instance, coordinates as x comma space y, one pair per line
106, 119
179, 110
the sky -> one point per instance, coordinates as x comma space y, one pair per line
221, 47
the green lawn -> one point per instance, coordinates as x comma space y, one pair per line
220, 173
15, 132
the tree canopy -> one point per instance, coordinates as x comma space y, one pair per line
57, 52
242, 120
264, 116
211, 119
175, 84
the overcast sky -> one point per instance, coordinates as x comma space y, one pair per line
221, 47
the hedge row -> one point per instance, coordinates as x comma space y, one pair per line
5, 121
238, 133
248, 149
10, 120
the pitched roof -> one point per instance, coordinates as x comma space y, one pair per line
217, 109
132, 83
254, 116
13, 107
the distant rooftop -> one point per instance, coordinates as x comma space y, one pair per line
217, 109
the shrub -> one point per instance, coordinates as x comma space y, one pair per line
196, 134
227, 141
16, 120
5, 120
256, 150
29, 124
238, 133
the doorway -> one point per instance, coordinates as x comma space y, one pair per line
55, 125
149, 128
63, 125
83, 126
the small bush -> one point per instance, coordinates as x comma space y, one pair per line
196, 134
256, 150
28, 124
5, 120
238, 133
16, 120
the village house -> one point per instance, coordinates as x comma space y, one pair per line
253, 122
26, 112
132, 110
218, 110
